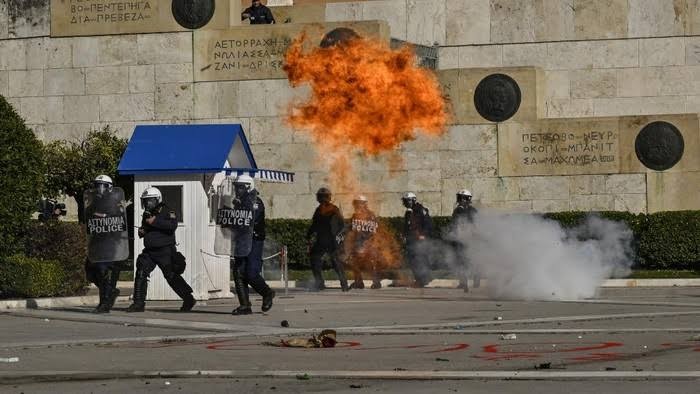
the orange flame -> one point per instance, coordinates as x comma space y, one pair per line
364, 95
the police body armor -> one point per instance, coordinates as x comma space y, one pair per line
106, 225
235, 219
363, 226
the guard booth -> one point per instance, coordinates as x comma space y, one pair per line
187, 163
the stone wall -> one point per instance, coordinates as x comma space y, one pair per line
597, 58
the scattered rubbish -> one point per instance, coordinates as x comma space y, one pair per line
695, 337
639, 369
284, 323
167, 383
544, 366
355, 386
554, 345
304, 377
9, 359
580, 337
508, 337
498, 304
441, 359
127, 324
399, 369
459, 327
327, 338
47, 320
273, 388
498, 318
645, 346
610, 368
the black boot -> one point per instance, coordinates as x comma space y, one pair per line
140, 291
114, 291
267, 300
183, 290
104, 286
241, 291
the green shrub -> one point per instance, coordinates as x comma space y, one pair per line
28, 277
668, 240
64, 242
21, 177
671, 240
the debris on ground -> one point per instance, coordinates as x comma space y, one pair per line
441, 359
9, 359
459, 327
399, 369
47, 320
284, 323
167, 383
306, 311
544, 366
304, 377
498, 318
508, 337
695, 337
610, 368
355, 386
327, 338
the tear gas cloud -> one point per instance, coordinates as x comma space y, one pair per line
528, 257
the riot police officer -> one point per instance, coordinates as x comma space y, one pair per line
248, 229
463, 215
359, 251
108, 241
258, 14
417, 229
157, 229
323, 238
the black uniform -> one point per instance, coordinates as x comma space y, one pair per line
247, 268
464, 215
159, 250
418, 226
326, 225
360, 254
259, 15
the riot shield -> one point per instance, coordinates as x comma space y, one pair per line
106, 225
235, 219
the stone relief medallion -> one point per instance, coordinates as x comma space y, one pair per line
497, 97
338, 36
659, 145
193, 14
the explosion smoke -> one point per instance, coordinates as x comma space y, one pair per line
532, 258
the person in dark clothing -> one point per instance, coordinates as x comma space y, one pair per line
157, 229
463, 215
258, 14
107, 239
361, 254
418, 226
323, 238
247, 246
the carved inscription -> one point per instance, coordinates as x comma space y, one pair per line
559, 148
265, 55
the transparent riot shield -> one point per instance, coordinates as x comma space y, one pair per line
235, 219
106, 225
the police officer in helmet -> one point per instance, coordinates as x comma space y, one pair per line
107, 229
157, 229
246, 254
362, 255
417, 229
463, 215
323, 238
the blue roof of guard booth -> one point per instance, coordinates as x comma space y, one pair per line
177, 149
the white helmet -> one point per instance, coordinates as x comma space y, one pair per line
360, 200
102, 184
246, 180
150, 198
408, 199
464, 195
103, 179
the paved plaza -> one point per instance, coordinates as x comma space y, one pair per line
390, 340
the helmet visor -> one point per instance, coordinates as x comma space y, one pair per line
149, 203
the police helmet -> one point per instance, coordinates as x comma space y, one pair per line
408, 199
359, 201
102, 184
323, 194
464, 195
245, 181
150, 198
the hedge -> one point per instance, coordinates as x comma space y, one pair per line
29, 277
64, 242
663, 240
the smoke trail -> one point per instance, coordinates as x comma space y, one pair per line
532, 258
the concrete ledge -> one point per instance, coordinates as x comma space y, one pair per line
54, 376
53, 302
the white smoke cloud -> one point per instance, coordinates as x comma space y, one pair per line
532, 258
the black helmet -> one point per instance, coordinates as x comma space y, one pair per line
323, 195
